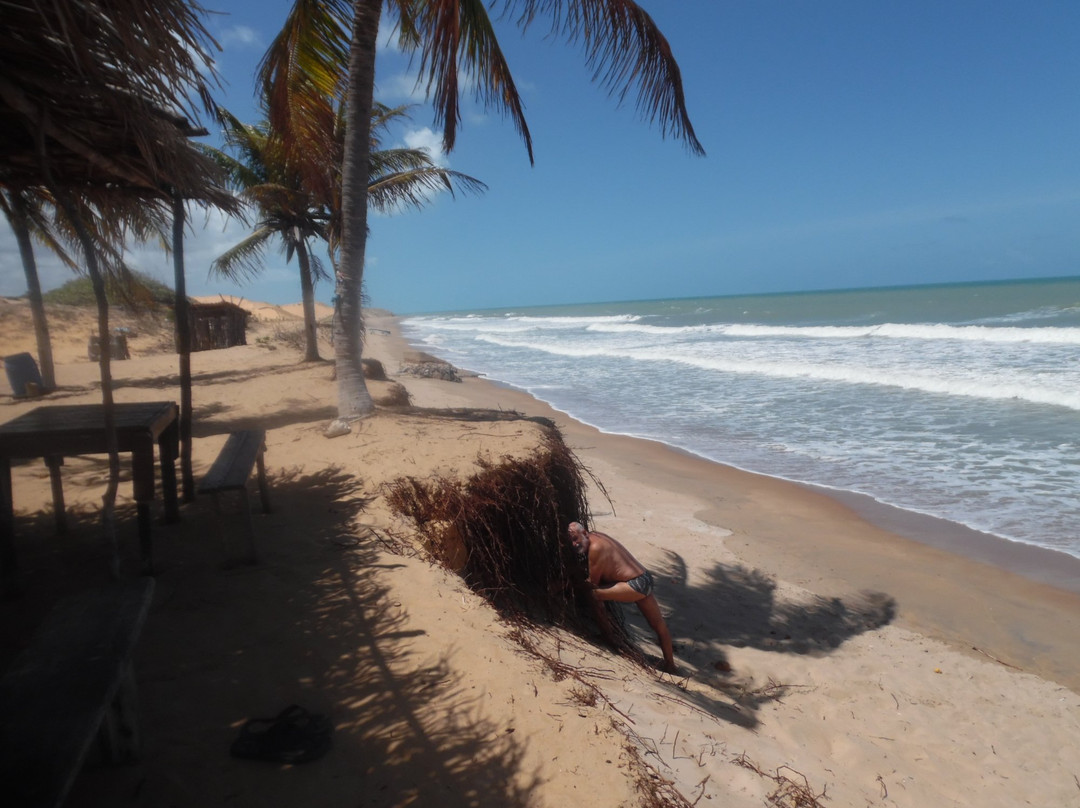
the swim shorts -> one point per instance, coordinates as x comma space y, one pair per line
643, 583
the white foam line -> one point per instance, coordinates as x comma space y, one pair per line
1023, 391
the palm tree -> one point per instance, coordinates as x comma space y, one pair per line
24, 209
270, 182
453, 38
277, 182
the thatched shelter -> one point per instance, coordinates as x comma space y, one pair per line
95, 115
216, 325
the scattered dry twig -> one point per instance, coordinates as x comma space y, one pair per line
655, 791
789, 793
999, 661
701, 785
772, 689
561, 670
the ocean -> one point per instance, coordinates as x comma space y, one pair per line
959, 401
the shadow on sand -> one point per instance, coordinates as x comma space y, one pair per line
742, 607
311, 624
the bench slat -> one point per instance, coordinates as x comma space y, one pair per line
233, 465
55, 695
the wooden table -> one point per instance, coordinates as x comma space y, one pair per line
53, 432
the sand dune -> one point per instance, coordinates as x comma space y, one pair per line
270, 312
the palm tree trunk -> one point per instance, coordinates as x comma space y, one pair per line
97, 281
108, 406
183, 348
20, 226
307, 295
353, 397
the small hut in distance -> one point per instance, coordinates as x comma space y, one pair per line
220, 324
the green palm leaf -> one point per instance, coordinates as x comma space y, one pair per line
414, 186
242, 261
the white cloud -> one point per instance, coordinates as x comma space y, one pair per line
400, 87
476, 117
430, 142
242, 35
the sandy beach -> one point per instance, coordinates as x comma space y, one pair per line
825, 653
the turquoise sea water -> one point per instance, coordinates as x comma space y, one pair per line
959, 401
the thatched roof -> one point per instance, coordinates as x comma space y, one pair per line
103, 90
219, 307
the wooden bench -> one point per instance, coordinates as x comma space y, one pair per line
230, 472
72, 685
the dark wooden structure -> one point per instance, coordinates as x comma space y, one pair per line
74, 683
54, 432
230, 472
216, 325
118, 347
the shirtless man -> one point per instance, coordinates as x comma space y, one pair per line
616, 575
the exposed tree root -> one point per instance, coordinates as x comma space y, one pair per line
504, 531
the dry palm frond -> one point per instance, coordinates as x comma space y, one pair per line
108, 85
303, 77
625, 50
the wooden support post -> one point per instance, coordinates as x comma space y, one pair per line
264, 489
54, 462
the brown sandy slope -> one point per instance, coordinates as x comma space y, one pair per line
791, 670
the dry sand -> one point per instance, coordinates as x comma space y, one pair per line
816, 648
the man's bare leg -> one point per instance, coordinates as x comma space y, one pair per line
651, 609
622, 592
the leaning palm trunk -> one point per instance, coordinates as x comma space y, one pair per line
21, 227
307, 294
353, 397
183, 349
97, 281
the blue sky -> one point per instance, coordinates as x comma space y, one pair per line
850, 144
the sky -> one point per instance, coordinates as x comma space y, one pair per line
849, 144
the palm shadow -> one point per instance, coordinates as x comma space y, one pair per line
215, 419
311, 624
744, 608
209, 378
